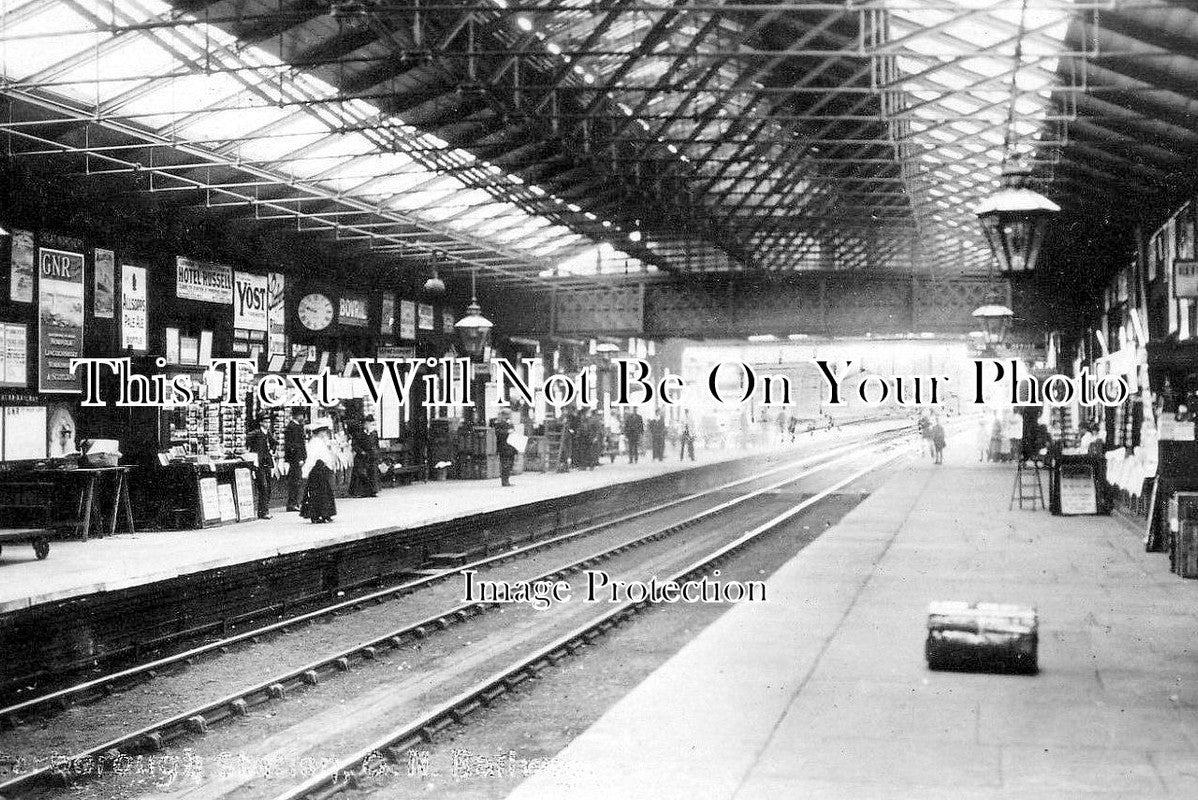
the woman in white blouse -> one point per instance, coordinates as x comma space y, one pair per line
319, 504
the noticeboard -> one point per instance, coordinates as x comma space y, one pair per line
245, 494
228, 506
209, 501
1078, 490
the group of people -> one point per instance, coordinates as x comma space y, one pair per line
310, 463
585, 439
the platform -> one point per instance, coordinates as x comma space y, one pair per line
125, 560
824, 692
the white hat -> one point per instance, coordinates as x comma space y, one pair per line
314, 427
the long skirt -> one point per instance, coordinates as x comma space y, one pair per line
319, 502
365, 479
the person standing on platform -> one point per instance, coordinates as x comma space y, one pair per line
568, 441
983, 438
295, 453
507, 453
634, 428
937, 441
365, 442
590, 438
1014, 430
687, 438
319, 503
925, 431
262, 445
657, 436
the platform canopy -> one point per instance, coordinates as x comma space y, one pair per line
564, 141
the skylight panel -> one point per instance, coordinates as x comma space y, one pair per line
38, 42
412, 200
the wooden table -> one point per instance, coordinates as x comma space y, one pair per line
91, 478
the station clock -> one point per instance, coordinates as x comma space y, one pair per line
315, 311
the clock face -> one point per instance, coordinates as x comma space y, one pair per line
315, 311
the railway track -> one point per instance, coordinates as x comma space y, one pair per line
350, 772
200, 719
86, 691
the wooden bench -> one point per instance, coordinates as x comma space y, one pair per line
410, 472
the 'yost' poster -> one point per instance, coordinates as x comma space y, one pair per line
250, 301
60, 319
133, 308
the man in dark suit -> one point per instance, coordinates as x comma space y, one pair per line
295, 453
634, 428
262, 445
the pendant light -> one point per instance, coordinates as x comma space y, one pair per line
474, 328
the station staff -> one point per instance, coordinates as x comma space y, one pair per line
262, 444
295, 453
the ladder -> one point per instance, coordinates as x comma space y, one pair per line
1027, 487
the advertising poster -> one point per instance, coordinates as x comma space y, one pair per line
199, 280
20, 287
249, 302
407, 319
105, 281
134, 322
15, 354
25, 431
447, 322
276, 315
426, 317
60, 437
387, 317
60, 319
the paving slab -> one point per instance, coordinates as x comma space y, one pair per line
823, 692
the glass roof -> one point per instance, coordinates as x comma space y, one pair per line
973, 95
191, 83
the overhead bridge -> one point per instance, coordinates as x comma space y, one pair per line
816, 304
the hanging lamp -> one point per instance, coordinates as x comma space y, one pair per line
474, 328
434, 286
1015, 217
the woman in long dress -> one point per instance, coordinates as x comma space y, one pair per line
319, 504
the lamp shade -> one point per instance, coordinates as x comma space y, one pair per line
474, 329
1014, 220
996, 322
434, 286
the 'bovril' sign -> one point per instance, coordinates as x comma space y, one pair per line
249, 301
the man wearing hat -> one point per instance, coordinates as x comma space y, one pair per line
295, 451
262, 444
